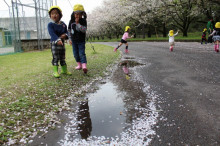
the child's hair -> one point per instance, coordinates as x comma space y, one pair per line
73, 16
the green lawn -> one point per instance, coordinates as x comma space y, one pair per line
28, 90
196, 36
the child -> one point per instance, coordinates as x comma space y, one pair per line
58, 33
124, 39
77, 34
171, 39
204, 36
216, 36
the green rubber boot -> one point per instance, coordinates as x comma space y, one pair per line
64, 70
55, 72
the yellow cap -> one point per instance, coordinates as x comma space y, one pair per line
204, 29
217, 25
127, 27
78, 8
54, 7
171, 32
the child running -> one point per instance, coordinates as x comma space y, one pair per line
171, 39
216, 36
124, 39
77, 34
58, 33
204, 36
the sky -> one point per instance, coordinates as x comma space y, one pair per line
65, 5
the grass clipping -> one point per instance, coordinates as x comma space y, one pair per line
30, 96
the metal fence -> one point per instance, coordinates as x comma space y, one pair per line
23, 20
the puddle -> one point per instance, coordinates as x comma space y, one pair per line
121, 111
130, 63
129, 57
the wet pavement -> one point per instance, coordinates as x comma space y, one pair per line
153, 97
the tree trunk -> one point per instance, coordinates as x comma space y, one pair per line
164, 30
143, 30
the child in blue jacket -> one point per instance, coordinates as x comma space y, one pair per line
58, 33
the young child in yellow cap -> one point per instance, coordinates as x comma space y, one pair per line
77, 34
171, 39
124, 39
216, 36
204, 36
58, 33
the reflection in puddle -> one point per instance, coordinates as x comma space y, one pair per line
85, 123
105, 108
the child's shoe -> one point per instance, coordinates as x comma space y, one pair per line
64, 70
215, 47
84, 68
115, 49
126, 50
55, 72
171, 49
79, 66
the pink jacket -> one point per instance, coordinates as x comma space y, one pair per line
125, 36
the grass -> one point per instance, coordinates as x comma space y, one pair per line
196, 36
29, 93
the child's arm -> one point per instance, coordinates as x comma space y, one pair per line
54, 38
176, 33
212, 33
65, 35
80, 27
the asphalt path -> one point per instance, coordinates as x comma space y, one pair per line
188, 82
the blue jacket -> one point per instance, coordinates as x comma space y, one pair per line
56, 30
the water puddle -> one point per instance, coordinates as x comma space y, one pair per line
102, 113
121, 111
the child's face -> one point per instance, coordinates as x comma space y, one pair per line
55, 15
78, 15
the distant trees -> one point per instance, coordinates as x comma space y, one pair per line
155, 16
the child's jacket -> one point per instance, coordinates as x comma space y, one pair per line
56, 30
77, 32
204, 35
171, 38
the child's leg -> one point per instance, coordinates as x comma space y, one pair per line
126, 48
63, 62
55, 54
82, 55
76, 55
171, 48
119, 45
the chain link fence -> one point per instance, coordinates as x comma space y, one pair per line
23, 25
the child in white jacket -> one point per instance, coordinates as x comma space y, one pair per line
171, 39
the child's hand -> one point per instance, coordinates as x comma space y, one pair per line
60, 43
70, 42
63, 36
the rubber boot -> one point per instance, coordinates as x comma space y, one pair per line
64, 70
84, 68
171, 48
55, 72
217, 48
115, 49
79, 66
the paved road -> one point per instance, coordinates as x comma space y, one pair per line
188, 82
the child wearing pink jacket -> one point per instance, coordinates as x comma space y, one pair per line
124, 39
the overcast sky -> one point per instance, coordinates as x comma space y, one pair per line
65, 5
